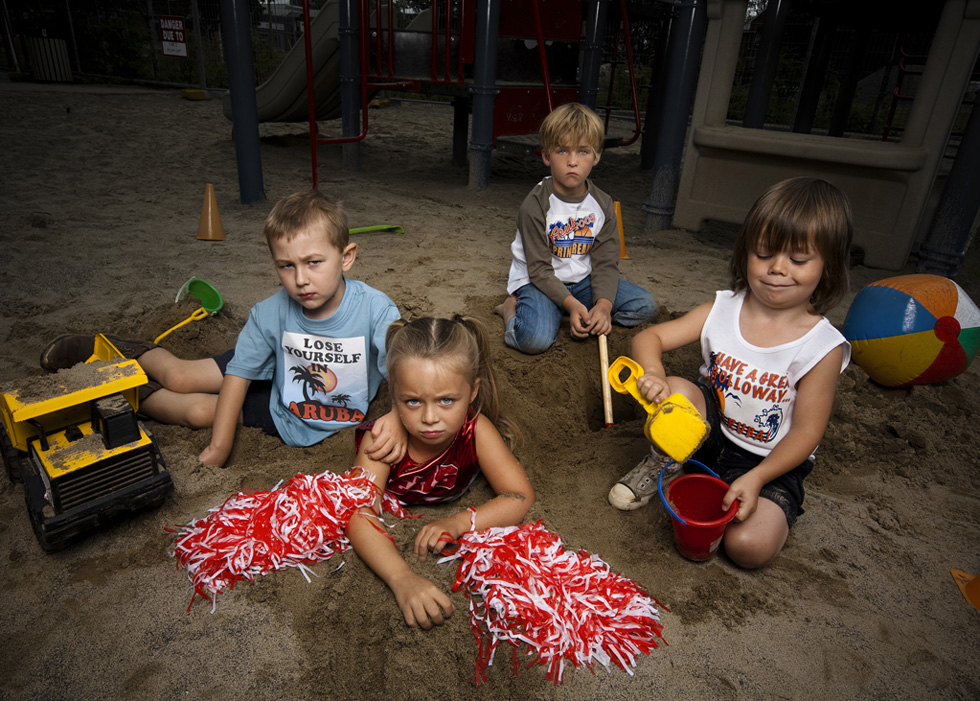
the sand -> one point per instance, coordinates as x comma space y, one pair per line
101, 199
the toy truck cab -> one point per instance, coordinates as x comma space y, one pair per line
74, 440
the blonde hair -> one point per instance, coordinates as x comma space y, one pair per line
305, 211
463, 344
571, 122
798, 215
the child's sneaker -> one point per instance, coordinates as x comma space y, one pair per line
639, 484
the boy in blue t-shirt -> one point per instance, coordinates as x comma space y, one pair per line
308, 361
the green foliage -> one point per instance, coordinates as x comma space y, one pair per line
622, 98
118, 46
265, 57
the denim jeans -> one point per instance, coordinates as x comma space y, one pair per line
534, 327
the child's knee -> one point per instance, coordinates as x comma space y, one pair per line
646, 304
755, 545
690, 390
176, 380
641, 309
747, 553
199, 414
530, 346
186, 377
531, 339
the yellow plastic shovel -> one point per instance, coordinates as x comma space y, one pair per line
205, 293
674, 426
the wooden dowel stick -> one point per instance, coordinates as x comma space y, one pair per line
606, 389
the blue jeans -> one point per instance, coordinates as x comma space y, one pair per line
534, 327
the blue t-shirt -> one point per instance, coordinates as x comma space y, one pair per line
324, 373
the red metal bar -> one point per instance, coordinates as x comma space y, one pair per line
434, 48
448, 50
542, 55
377, 37
444, 30
897, 95
363, 45
629, 64
463, 19
391, 37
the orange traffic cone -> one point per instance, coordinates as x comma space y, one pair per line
210, 228
970, 586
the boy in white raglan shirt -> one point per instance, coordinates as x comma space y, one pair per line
566, 252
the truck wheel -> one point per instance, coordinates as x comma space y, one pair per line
33, 489
12, 458
44, 540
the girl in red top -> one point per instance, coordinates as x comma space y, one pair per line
443, 389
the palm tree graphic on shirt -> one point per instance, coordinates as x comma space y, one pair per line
315, 378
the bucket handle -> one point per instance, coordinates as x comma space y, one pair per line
660, 485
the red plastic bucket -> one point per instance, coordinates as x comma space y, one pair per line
694, 503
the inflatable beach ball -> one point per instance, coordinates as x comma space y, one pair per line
913, 330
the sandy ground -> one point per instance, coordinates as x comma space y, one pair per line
101, 197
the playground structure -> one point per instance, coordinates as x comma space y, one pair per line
503, 64
889, 184
507, 66
508, 63
283, 97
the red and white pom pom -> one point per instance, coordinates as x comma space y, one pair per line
301, 522
525, 589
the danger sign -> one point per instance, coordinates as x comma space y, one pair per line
172, 35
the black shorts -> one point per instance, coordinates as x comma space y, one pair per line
255, 409
731, 462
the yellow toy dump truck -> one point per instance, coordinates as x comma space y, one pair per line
74, 441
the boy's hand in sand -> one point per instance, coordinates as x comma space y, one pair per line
422, 602
600, 318
390, 439
213, 457
585, 322
578, 317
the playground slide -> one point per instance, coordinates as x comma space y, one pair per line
283, 98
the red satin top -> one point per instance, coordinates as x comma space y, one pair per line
444, 478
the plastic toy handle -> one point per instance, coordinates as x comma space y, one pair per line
660, 485
394, 228
198, 314
204, 292
184, 289
660, 490
628, 386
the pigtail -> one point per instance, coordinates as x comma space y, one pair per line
393, 328
487, 399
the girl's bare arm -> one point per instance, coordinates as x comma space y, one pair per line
507, 478
650, 344
422, 603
